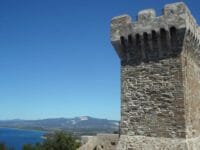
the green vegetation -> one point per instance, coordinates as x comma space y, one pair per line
3, 147
58, 141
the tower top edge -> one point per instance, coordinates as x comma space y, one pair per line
169, 10
177, 15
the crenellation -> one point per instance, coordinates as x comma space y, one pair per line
192, 26
150, 46
178, 8
175, 16
146, 15
195, 51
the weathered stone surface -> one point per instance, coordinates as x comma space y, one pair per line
100, 142
191, 76
152, 99
157, 143
160, 79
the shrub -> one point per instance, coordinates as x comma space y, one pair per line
58, 141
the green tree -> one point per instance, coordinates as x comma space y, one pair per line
3, 146
58, 141
61, 141
28, 147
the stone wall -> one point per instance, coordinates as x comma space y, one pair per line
151, 143
152, 99
157, 143
160, 76
100, 142
191, 72
151, 72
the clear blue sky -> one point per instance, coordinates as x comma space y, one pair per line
56, 59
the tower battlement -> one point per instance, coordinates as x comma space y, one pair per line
160, 74
153, 37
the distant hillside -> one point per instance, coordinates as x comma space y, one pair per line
79, 125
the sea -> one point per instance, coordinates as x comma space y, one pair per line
16, 138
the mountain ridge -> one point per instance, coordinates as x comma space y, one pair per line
82, 125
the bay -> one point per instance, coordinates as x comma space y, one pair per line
16, 138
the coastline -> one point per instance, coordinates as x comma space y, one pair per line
24, 129
17, 138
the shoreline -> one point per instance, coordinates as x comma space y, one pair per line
24, 129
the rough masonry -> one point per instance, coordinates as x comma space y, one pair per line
99, 142
160, 79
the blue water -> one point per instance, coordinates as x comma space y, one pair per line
17, 138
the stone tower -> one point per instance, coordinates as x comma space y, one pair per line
160, 79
